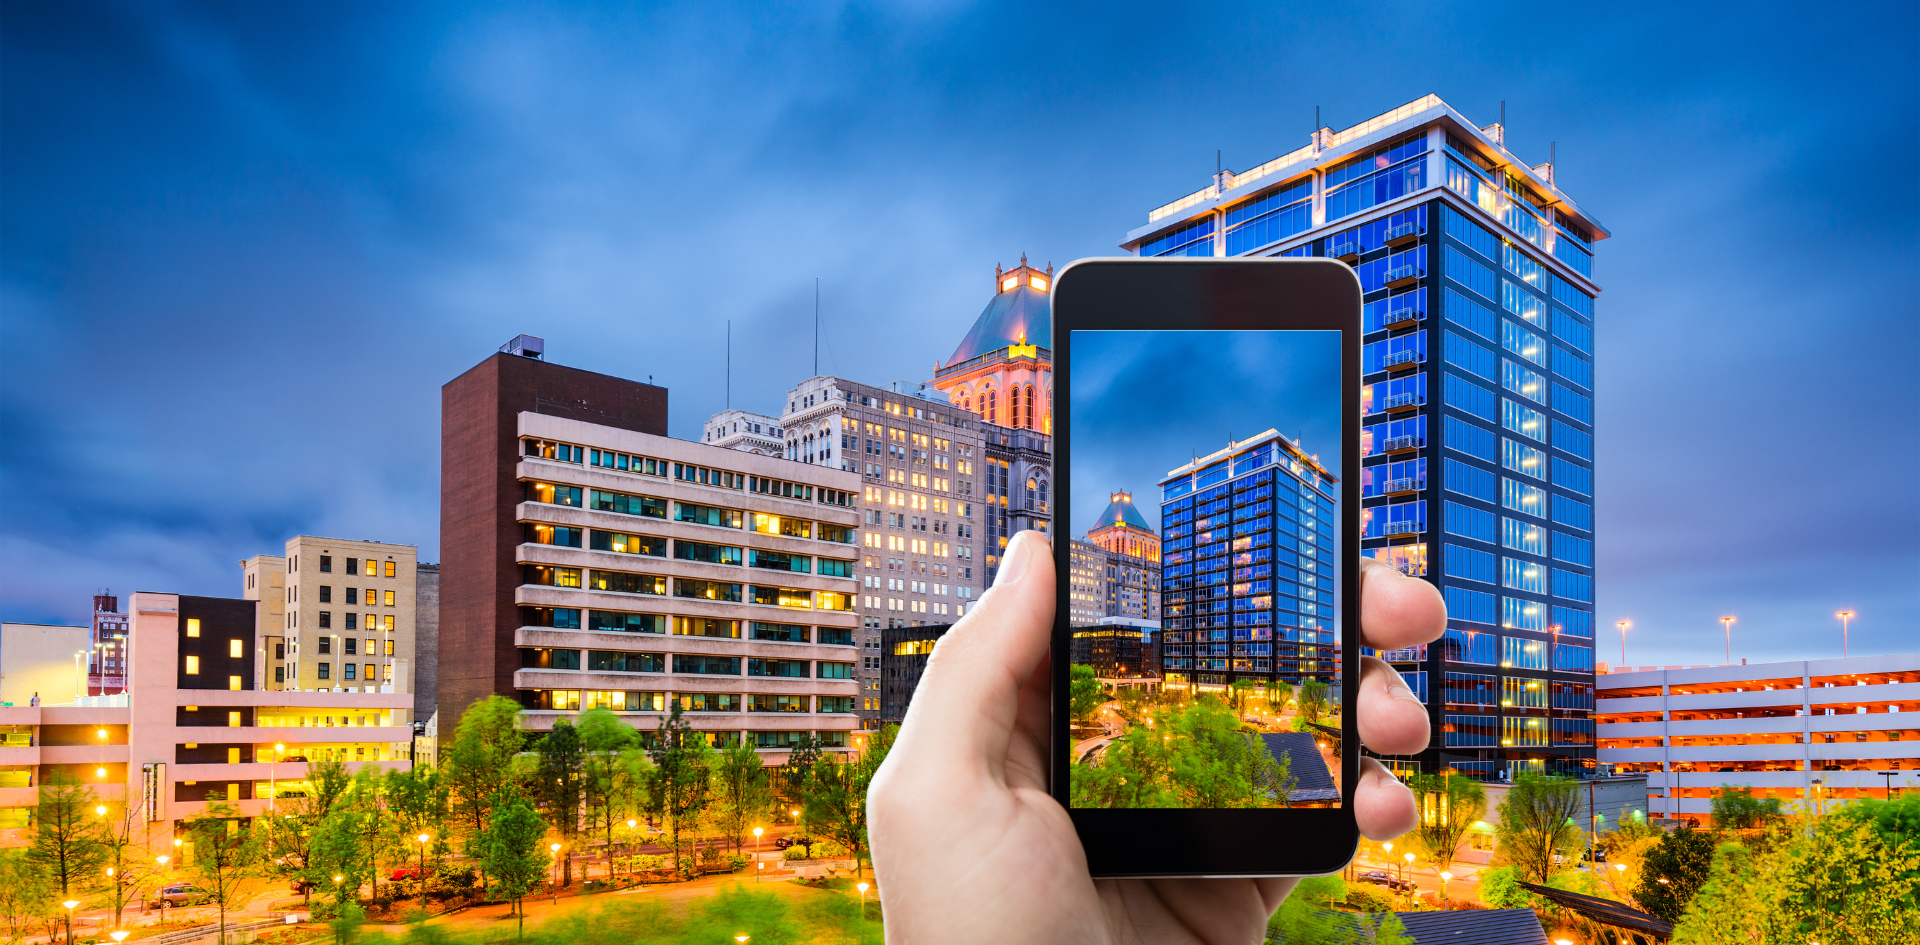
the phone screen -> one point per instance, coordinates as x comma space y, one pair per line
1206, 626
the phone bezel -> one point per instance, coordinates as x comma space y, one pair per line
1300, 294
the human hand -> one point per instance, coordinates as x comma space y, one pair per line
968, 845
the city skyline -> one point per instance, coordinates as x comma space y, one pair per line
217, 239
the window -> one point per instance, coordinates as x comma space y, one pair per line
193, 665
326, 644
1521, 497
1271, 218
1468, 480
1410, 348
1523, 536
1522, 693
827, 670
767, 667
325, 669
1523, 420
701, 551
1522, 653
1572, 550
1573, 298
1468, 563
353, 595
1523, 342
709, 515
236, 649
1572, 657
353, 565
389, 568
1383, 174
1470, 689
1457, 434
1470, 646
1523, 382
1523, 732
780, 632
766, 702
781, 596
1463, 269
1523, 575
835, 567
1570, 330
630, 504
387, 600
326, 564
1522, 303
1574, 623
619, 661
1468, 356
619, 622
1470, 731
623, 543
706, 627
326, 593
1572, 476
836, 703
1468, 522
1194, 239
1465, 395
1574, 405
1403, 518
1470, 233
193, 626
349, 670
778, 525
1573, 586
707, 665
539, 574
1568, 511
1521, 614
779, 561
1522, 458
1468, 605
1469, 314
1572, 367
1577, 442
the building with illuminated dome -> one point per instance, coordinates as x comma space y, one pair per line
1123, 530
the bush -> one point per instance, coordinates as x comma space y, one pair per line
1500, 888
1368, 899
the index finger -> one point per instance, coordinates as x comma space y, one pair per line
1398, 611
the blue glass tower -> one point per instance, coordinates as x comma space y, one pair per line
1479, 440
1247, 567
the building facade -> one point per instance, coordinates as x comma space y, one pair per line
649, 572
906, 650
1478, 363
1247, 557
745, 431
426, 641
155, 747
1813, 731
107, 672
335, 615
42, 661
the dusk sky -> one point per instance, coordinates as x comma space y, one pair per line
242, 245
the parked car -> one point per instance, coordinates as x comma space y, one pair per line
1384, 878
781, 843
182, 894
294, 758
1594, 855
404, 872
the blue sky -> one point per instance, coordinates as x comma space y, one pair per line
242, 245
1145, 402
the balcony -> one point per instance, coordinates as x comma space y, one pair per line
1403, 360
1348, 253
1405, 233
1404, 276
1399, 402
1403, 486
1403, 528
1403, 317
1402, 444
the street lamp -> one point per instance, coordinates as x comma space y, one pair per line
1845, 616
863, 898
1444, 877
1623, 625
554, 887
1727, 623
1409, 869
423, 838
70, 904
119, 935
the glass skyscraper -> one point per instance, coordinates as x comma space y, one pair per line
1247, 567
1478, 364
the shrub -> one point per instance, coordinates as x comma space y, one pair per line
1367, 899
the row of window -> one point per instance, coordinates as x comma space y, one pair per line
649, 507
614, 621
1491, 649
367, 568
704, 552
625, 582
1496, 731
1519, 613
625, 661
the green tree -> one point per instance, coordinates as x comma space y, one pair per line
1673, 871
483, 751
225, 854
1084, 693
681, 784
1850, 876
511, 853
68, 839
1731, 896
1308, 917
838, 798
27, 893
1537, 823
1450, 804
603, 737
562, 771
336, 860
742, 792
1184, 756
1735, 808
417, 803
287, 836
802, 755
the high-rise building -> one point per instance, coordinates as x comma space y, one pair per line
1123, 530
638, 571
1247, 542
107, 672
1478, 365
335, 615
743, 430
426, 641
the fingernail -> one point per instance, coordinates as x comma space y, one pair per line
1400, 691
1014, 563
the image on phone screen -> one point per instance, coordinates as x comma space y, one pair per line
1212, 454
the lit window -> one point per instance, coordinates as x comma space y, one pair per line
233, 683
1038, 282
193, 665
193, 626
235, 649
1009, 283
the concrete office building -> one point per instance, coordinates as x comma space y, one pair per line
745, 431
591, 561
1808, 731
1478, 368
43, 660
335, 615
192, 727
426, 641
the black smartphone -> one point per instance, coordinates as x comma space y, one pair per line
1206, 639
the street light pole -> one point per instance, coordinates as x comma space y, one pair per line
1727, 624
1845, 616
1623, 625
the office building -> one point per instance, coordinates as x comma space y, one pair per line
1124, 531
335, 615
1116, 648
1812, 731
192, 671
1478, 366
426, 640
107, 666
905, 649
43, 661
609, 565
745, 431
1256, 604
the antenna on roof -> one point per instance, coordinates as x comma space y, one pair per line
729, 399
1216, 161
816, 326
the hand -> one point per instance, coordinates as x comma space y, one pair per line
969, 847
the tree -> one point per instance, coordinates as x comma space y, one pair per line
1184, 756
1450, 804
1730, 895
603, 736
126, 868
26, 893
680, 785
1536, 824
417, 802
1312, 697
1308, 917
802, 755
1674, 870
559, 785
288, 835
483, 750
510, 851
1626, 849
741, 791
1851, 876
1735, 808
68, 840
1085, 695
837, 800
224, 854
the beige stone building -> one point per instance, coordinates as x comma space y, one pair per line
38, 659
336, 615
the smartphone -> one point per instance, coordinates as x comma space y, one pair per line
1206, 636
